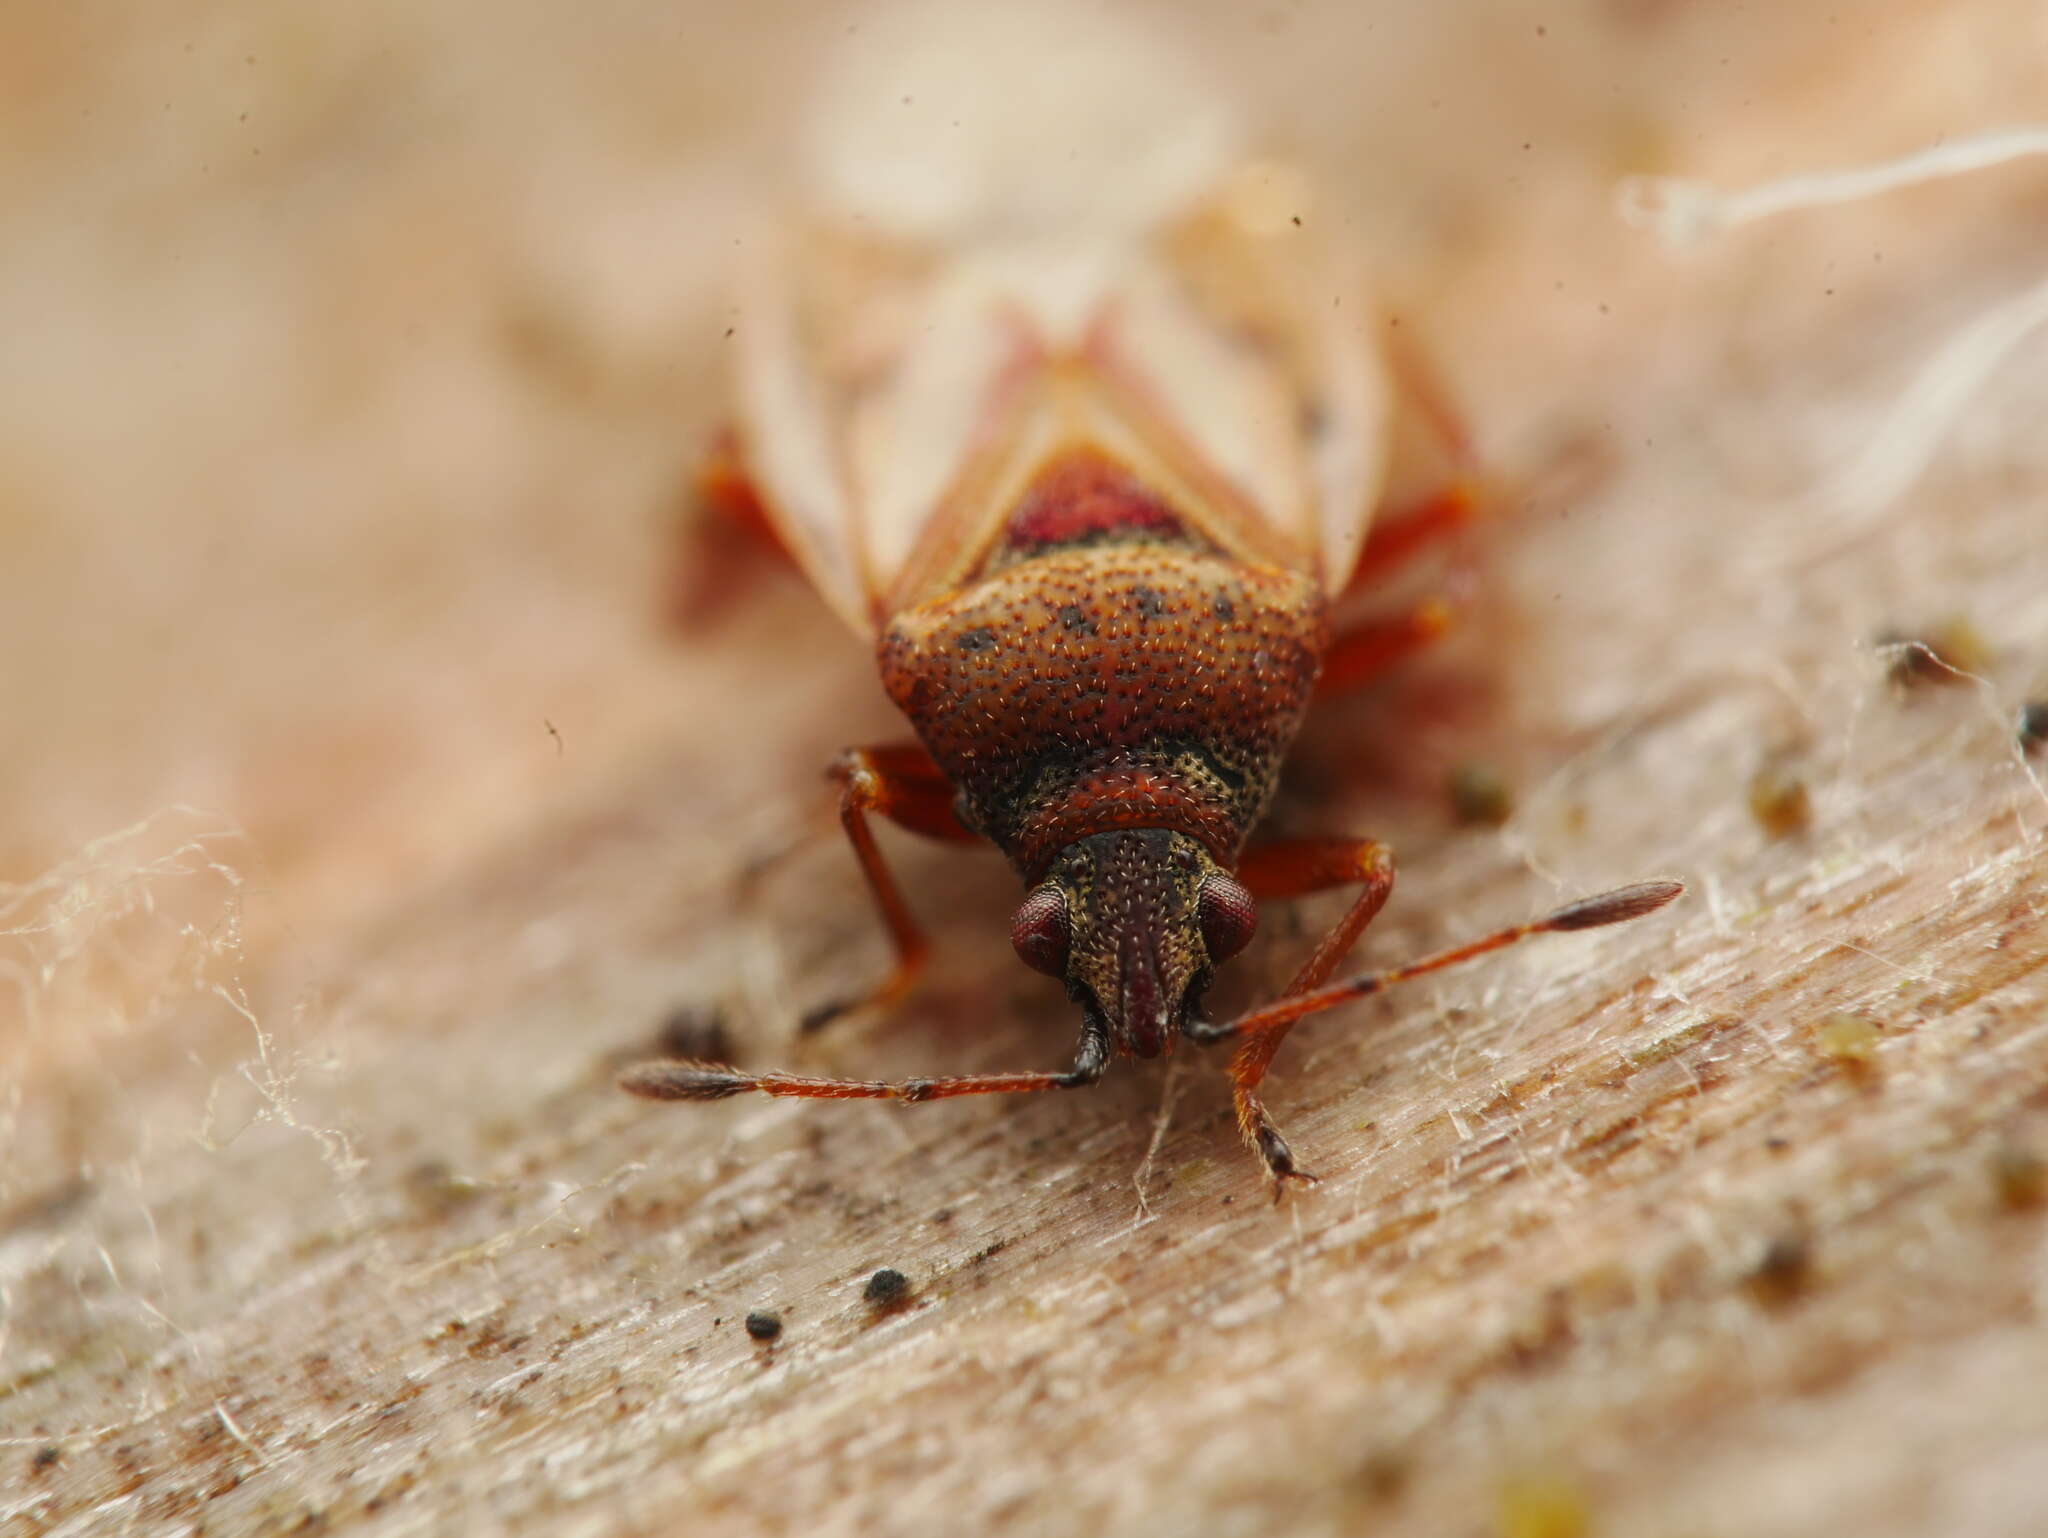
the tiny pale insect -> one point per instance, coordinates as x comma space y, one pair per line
1087, 465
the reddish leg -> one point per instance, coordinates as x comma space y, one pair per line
900, 782
1399, 534
725, 534
1402, 534
711, 1081
1302, 867
1365, 651
1296, 869
724, 488
1260, 1033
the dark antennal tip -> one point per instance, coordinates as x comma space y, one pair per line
682, 1081
1615, 907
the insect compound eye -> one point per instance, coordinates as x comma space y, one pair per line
1039, 931
1229, 916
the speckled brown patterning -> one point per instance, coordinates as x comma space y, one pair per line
1127, 680
1109, 672
1105, 691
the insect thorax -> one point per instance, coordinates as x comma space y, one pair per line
1122, 679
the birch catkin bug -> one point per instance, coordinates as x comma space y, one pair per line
1090, 494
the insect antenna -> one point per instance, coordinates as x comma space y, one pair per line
1615, 907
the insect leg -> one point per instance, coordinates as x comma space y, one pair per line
1260, 1033
724, 488
1365, 651
713, 1081
724, 536
1436, 448
1300, 867
1460, 492
1296, 868
900, 782
1401, 534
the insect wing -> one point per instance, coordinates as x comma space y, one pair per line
895, 398
789, 436
1255, 344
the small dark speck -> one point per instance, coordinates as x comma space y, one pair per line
886, 1287
1782, 1273
1480, 795
729, 330
1543, 32
2018, 1175
1150, 604
1779, 799
979, 639
1297, 220
764, 1327
2033, 726
1223, 608
1074, 617
1385, 1473
46, 1457
1947, 654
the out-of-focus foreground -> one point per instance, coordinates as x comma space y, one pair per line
360, 816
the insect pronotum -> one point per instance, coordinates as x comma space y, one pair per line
1088, 472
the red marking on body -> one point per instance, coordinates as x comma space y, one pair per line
1081, 495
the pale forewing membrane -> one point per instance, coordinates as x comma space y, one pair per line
789, 427
908, 356
1261, 273
918, 428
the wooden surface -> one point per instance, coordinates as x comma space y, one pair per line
363, 820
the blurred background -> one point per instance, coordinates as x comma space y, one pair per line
354, 363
